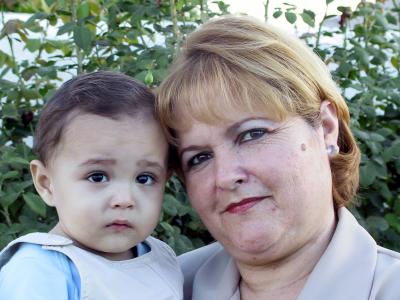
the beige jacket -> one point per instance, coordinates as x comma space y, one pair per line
353, 267
154, 275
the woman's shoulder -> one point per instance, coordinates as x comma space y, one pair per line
201, 254
387, 274
212, 268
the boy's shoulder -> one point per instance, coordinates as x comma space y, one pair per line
34, 268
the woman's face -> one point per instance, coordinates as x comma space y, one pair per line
262, 188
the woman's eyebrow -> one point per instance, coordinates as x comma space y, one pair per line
234, 127
231, 130
188, 149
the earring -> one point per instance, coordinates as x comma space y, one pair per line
332, 150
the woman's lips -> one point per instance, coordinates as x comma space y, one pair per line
244, 205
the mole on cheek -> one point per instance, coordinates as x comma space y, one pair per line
303, 147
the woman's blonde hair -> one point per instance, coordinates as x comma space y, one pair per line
239, 63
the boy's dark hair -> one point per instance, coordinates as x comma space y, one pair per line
104, 93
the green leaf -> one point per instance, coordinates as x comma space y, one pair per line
391, 19
148, 80
167, 227
33, 44
36, 16
308, 17
377, 39
83, 37
35, 203
10, 174
277, 14
329, 1
170, 205
30, 94
17, 160
83, 10
66, 28
29, 72
290, 17
392, 152
362, 55
394, 61
8, 199
367, 174
182, 244
394, 221
10, 111
381, 21
377, 223
376, 137
50, 72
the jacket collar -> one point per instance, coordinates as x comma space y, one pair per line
344, 271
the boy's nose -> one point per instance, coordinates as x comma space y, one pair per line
123, 198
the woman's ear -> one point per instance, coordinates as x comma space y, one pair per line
42, 181
330, 124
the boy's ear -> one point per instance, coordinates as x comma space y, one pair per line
330, 123
42, 181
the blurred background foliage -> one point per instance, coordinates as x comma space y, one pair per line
140, 38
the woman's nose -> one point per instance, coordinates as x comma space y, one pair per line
229, 171
123, 197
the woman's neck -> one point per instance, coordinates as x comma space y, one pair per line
284, 279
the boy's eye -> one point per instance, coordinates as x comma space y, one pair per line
198, 159
145, 179
252, 134
97, 177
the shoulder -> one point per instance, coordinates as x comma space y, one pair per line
193, 260
163, 261
387, 274
160, 248
203, 266
35, 270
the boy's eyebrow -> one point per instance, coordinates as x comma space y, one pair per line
99, 161
148, 163
105, 161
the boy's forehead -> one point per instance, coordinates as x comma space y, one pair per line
85, 131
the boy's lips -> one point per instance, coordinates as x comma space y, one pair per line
243, 205
120, 224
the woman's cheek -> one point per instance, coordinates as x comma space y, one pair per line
199, 189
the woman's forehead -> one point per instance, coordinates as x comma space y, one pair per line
185, 118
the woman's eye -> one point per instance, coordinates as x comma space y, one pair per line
145, 179
198, 159
252, 134
97, 177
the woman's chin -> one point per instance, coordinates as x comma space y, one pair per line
247, 244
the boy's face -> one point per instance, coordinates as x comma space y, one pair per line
106, 180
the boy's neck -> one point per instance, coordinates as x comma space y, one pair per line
132, 253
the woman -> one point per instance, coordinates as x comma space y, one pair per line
269, 164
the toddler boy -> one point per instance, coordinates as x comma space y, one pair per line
102, 163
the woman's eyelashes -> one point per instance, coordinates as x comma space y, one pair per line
198, 159
251, 135
97, 177
246, 136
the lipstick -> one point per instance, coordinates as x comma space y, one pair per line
244, 205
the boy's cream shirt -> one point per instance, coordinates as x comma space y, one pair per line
154, 275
